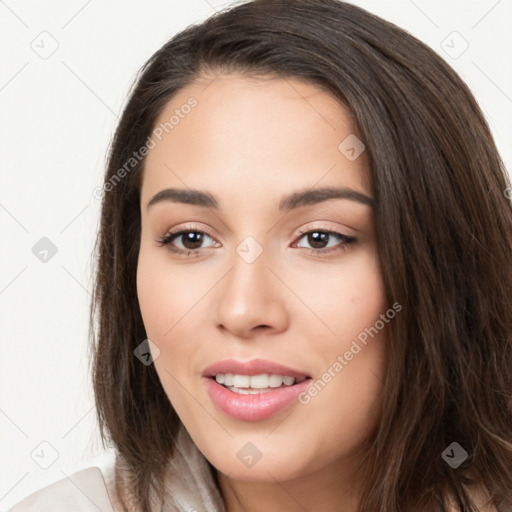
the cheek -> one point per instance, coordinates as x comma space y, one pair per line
163, 302
164, 296
352, 350
346, 298
173, 309
153, 302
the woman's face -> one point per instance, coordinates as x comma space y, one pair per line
250, 163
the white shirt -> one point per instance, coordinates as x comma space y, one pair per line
86, 490
189, 486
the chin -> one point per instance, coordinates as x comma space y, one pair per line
267, 465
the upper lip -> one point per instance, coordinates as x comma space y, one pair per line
252, 367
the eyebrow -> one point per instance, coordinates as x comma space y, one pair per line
289, 202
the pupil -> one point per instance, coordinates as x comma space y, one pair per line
194, 238
316, 238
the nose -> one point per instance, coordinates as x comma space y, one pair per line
251, 298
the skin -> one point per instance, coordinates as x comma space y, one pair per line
249, 142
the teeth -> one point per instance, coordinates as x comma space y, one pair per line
288, 381
253, 382
265, 381
275, 381
241, 381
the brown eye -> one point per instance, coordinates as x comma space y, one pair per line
185, 240
190, 239
319, 240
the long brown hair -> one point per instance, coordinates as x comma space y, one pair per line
444, 232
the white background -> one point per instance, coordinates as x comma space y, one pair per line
58, 114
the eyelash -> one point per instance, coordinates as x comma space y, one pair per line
169, 237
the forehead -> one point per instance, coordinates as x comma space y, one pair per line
236, 131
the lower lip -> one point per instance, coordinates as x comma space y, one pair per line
254, 407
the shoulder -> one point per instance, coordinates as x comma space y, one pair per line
85, 490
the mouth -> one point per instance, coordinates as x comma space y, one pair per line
254, 390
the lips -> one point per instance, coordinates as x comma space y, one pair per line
266, 402
253, 367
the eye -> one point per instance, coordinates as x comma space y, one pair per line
185, 240
320, 240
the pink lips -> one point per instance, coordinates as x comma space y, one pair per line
258, 406
253, 367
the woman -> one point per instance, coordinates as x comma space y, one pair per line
303, 286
